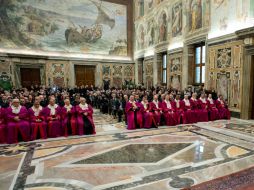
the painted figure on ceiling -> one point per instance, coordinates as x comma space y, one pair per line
195, 14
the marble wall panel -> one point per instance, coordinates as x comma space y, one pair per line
225, 71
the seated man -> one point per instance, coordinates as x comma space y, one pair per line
115, 105
52, 113
224, 112
69, 118
169, 111
17, 123
134, 111
148, 115
155, 107
189, 114
2, 125
213, 111
194, 108
203, 109
38, 123
85, 123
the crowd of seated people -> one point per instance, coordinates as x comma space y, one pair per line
46, 112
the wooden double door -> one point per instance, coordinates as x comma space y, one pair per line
30, 76
85, 75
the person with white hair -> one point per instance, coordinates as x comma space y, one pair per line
18, 128
37, 121
85, 121
69, 122
53, 116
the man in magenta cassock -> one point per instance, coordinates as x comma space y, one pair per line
37, 121
85, 121
17, 123
203, 109
148, 115
213, 111
169, 111
52, 113
134, 111
189, 114
194, 108
2, 125
224, 112
155, 107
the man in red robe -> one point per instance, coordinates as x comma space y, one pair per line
134, 111
148, 116
224, 112
189, 114
85, 123
213, 111
52, 113
17, 123
155, 107
69, 118
37, 121
181, 118
203, 109
169, 111
2, 125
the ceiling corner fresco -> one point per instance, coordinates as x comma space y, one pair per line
82, 26
188, 18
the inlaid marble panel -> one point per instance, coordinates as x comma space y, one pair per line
225, 72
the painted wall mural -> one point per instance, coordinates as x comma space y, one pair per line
163, 27
82, 26
116, 75
175, 71
198, 14
57, 73
229, 16
5, 75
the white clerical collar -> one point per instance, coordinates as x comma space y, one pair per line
145, 104
203, 99
52, 109
16, 110
37, 110
187, 102
221, 101
83, 106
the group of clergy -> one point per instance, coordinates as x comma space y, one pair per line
17, 123
172, 111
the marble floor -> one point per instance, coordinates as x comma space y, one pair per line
165, 158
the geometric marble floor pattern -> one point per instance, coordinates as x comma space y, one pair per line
180, 157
